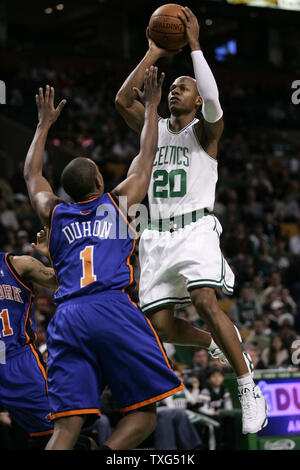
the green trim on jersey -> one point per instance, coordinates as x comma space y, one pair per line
210, 283
181, 130
164, 301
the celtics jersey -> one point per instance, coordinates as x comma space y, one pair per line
184, 176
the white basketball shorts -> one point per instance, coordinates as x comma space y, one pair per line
172, 264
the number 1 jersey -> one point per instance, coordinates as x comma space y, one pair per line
17, 321
90, 245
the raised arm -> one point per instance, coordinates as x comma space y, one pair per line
135, 186
127, 100
32, 270
40, 192
210, 129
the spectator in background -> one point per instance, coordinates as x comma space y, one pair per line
275, 284
288, 302
219, 401
265, 317
257, 290
264, 257
281, 255
122, 150
276, 354
245, 310
255, 353
44, 308
270, 226
22, 239
174, 429
294, 242
6, 191
276, 310
200, 366
258, 335
289, 211
238, 242
8, 218
286, 329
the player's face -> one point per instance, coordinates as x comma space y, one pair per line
183, 96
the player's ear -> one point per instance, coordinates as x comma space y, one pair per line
99, 182
198, 101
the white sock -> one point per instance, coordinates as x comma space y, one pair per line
247, 380
212, 345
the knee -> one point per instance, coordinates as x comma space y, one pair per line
152, 422
206, 305
164, 330
149, 414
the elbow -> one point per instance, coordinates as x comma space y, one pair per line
120, 102
26, 173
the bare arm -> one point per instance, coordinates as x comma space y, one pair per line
210, 129
127, 102
135, 186
40, 192
33, 270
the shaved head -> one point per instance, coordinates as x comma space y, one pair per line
79, 178
184, 96
190, 80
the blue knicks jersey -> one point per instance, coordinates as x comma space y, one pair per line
16, 313
90, 245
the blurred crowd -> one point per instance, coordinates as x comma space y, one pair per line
257, 203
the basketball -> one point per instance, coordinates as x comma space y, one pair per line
166, 29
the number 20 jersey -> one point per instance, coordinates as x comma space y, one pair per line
184, 176
90, 245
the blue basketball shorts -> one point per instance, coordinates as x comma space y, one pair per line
23, 391
104, 340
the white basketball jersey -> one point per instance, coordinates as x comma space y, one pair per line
184, 176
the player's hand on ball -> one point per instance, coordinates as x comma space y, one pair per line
192, 27
159, 51
152, 86
47, 113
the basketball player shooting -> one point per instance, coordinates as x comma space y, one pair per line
174, 269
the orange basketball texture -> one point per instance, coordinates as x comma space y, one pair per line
166, 29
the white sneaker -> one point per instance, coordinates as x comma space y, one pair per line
216, 353
254, 408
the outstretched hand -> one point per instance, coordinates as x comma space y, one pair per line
41, 245
152, 87
47, 113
